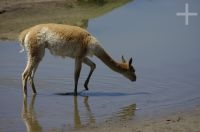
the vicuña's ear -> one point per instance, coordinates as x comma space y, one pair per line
130, 61
123, 60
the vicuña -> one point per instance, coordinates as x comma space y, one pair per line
66, 41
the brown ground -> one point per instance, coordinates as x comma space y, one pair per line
179, 122
16, 15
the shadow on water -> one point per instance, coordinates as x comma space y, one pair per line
111, 93
30, 118
85, 93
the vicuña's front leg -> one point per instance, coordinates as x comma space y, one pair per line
77, 70
92, 65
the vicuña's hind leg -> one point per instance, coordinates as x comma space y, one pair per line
26, 74
34, 58
32, 77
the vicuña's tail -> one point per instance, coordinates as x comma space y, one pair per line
22, 38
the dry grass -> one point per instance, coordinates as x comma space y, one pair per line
16, 16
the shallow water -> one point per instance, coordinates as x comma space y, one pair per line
166, 58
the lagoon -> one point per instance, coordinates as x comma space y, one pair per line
166, 58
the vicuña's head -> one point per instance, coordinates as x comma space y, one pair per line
130, 72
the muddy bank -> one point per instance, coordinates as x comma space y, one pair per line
18, 15
187, 121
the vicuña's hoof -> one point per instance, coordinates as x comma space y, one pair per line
86, 87
75, 94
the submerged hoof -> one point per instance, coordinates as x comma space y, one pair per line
75, 94
86, 87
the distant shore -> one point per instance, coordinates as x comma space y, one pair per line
17, 15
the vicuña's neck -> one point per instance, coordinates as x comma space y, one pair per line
106, 59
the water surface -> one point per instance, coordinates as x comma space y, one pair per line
166, 58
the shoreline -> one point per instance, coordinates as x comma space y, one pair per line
183, 121
15, 16
187, 121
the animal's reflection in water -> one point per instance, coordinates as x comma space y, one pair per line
77, 118
29, 115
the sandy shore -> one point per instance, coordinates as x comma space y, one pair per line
179, 122
16, 16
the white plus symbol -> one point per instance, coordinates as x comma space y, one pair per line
186, 14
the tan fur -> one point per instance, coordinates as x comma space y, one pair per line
61, 40
22, 37
65, 41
